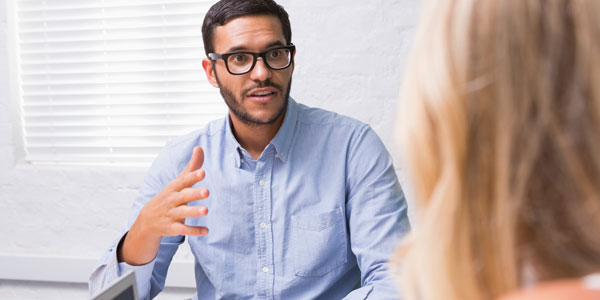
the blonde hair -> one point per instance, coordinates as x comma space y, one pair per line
500, 129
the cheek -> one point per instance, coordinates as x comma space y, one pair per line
232, 85
283, 78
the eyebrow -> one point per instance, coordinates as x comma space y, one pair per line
244, 48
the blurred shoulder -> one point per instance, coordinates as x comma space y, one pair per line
557, 290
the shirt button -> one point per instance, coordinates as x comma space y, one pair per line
277, 155
265, 269
263, 225
261, 182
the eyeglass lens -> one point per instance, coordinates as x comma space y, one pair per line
242, 62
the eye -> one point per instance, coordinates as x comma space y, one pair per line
239, 58
274, 53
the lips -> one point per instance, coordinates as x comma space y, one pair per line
262, 94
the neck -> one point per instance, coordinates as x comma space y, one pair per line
253, 137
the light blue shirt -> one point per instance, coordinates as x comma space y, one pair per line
316, 216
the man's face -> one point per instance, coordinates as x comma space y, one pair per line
258, 97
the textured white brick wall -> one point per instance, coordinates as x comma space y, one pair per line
350, 59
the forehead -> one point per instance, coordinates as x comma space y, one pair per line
251, 33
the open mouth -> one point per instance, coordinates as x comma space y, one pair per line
262, 94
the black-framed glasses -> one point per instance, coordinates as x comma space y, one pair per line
239, 63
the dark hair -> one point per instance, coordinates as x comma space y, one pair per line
225, 10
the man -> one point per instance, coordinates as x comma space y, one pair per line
304, 203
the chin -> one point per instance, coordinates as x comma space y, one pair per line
265, 118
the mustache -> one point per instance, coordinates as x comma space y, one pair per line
263, 84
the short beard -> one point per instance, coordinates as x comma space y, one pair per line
238, 110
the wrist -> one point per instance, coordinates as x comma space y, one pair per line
139, 246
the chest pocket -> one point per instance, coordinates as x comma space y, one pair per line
318, 243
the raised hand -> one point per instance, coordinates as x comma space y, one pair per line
165, 214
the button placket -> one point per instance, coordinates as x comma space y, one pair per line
262, 201
264, 238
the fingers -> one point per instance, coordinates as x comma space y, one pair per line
196, 160
190, 230
184, 211
188, 195
186, 180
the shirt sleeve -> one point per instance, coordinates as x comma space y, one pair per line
377, 215
109, 269
150, 278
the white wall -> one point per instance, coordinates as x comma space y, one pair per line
350, 58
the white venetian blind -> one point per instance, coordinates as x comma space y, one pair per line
109, 81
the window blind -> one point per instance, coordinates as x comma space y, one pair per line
109, 81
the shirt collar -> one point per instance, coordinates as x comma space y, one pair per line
282, 140
232, 143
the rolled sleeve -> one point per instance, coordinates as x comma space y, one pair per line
143, 274
109, 269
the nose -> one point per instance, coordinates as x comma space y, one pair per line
260, 72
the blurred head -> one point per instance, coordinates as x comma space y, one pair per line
500, 128
232, 31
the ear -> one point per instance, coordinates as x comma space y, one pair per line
207, 65
293, 60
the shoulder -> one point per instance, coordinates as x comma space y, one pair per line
339, 133
556, 290
179, 149
312, 116
213, 130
